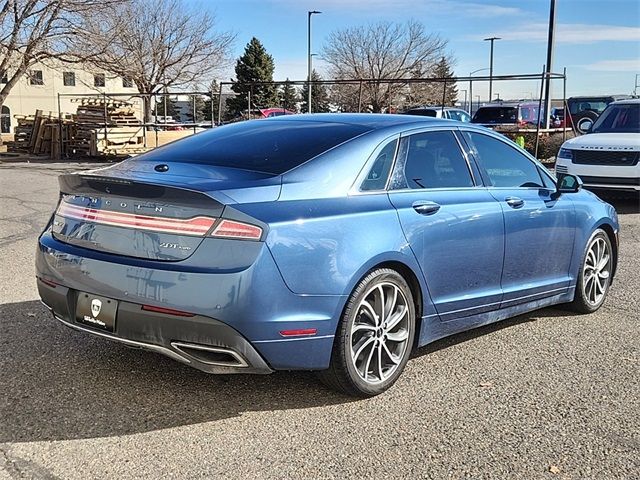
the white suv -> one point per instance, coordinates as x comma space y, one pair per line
608, 156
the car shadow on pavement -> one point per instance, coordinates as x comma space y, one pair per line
549, 312
59, 384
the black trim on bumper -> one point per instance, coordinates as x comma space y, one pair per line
200, 342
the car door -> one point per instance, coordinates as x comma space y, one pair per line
539, 226
452, 224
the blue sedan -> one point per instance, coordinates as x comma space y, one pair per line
335, 243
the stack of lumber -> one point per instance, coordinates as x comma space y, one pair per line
105, 127
39, 134
100, 127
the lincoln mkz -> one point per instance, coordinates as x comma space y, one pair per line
334, 242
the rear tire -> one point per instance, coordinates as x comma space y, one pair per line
595, 274
374, 337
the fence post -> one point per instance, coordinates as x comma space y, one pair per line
60, 125
104, 100
542, 78
444, 97
360, 98
564, 104
220, 104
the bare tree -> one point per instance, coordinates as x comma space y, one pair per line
37, 31
380, 51
159, 43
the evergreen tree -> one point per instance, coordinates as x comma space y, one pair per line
442, 69
255, 65
197, 103
319, 96
172, 110
288, 97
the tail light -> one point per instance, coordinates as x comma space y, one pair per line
233, 229
197, 226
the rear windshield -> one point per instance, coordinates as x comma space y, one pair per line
259, 145
496, 115
422, 112
596, 105
619, 118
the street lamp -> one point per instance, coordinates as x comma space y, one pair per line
471, 88
309, 14
479, 70
491, 39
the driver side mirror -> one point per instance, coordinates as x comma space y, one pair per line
568, 183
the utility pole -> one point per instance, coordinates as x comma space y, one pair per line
491, 39
309, 68
547, 80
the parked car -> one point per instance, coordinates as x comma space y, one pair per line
440, 112
275, 112
608, 157
586, 110
521, 114
331, 242
557, 117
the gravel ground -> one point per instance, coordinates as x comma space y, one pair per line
544, 395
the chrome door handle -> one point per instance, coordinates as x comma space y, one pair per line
425, 207
514, 202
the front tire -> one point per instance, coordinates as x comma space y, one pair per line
594, 279
374, 337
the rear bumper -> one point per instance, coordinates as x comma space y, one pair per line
199, 342
240, 311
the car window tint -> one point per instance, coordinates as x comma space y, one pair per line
377, 176
270, 146
505, 166
431, 160
496, 115
547, 179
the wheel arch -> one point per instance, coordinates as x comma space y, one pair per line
610, 231
412, 275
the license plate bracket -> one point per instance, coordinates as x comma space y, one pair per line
96, 311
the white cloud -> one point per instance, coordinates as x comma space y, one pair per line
615, 66
573, 33
432, 7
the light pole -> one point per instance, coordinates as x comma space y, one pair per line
491, 39
471, 89
309, 14
464, 104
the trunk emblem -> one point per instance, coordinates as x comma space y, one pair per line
163, 167
96, 306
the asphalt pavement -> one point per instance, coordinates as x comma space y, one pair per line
544, 395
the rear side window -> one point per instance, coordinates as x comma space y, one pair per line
377, 176
431, 160
272, 147
504, 165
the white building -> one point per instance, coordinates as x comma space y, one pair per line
39, 89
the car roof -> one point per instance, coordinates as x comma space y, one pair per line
373, 121
432, 107
627, 101
509, 104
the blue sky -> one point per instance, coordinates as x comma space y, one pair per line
597, 40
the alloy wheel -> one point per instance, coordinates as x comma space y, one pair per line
380, 333
596, 271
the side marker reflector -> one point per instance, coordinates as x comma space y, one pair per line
300, 332
168, 311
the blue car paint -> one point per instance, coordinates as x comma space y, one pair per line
324, 236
